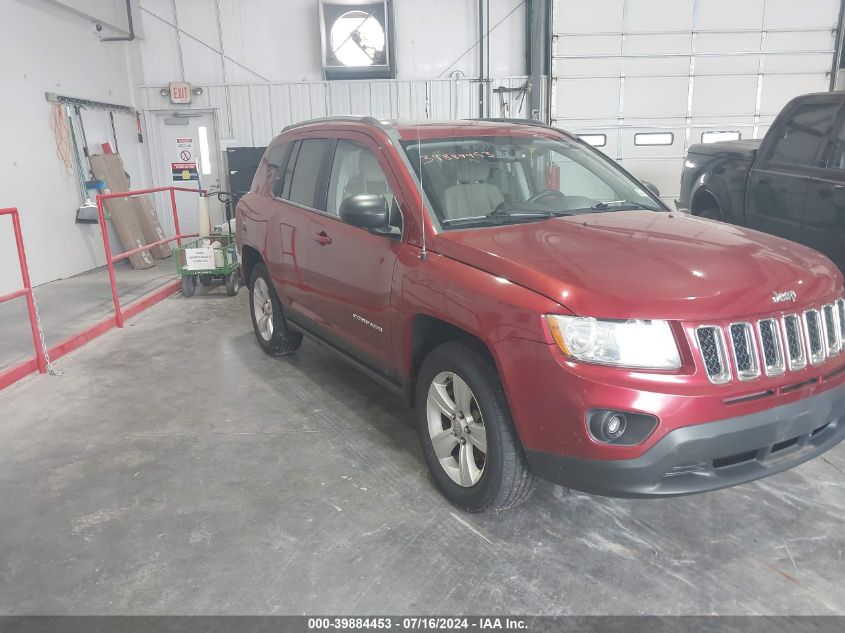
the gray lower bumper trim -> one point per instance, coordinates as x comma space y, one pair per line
710, 456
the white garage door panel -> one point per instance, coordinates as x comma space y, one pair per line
684, 66
632, 151
594, 68
655, 97
585, 45
670, 43
709, 43
659, 15
725, 96
777, 90
581, 17
656, 66
727, 64
587, 98
741, 14
800, 14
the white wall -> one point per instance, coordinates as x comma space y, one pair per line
259, 41
49, 49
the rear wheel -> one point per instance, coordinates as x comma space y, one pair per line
267, 319
233, 283
467, 433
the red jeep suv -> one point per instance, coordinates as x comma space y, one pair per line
543, 312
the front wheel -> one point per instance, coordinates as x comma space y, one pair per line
267, 319
467, 433
189, 285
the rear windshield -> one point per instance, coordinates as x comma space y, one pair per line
489, 180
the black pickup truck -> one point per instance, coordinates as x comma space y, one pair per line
791, 183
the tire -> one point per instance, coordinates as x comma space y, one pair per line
189, 285
272, 333
206, 280
711, 213
233, 283
502, 478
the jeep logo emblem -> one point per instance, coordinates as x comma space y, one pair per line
781, 297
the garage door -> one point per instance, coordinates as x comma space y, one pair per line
644, 79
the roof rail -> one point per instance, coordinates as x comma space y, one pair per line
533, 122
336, 119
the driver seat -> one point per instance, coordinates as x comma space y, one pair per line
472, 195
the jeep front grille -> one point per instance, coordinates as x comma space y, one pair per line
795, 342
712, 346
744, 350
772, 346
840, 314
773, 358
815, 346
832, 335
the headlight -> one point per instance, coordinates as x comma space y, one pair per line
625, 343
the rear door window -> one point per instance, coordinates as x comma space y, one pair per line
306, 172
800, 141
276, 162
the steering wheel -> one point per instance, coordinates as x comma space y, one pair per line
546, 193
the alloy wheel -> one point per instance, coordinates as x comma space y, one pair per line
456, 429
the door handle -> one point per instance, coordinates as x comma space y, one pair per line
322, 238
765, 180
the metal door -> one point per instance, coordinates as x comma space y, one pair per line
187, 153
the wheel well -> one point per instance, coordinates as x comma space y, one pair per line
428, 333
702, 200
249, 258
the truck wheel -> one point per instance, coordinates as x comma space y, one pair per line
233, 283
467, 433
267, 319
711, 213
189, 285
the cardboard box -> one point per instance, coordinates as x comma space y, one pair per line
123, 211
109, 168
152, 228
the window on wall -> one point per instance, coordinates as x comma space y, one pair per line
357, 39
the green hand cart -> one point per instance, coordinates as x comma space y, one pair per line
206, 259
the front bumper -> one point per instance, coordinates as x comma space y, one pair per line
709, 456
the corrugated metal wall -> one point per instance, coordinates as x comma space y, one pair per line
252, 114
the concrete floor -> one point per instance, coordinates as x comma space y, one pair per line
174, 468
68, 306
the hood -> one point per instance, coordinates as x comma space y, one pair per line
647, 264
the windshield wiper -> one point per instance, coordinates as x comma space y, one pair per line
503, 214
602, 206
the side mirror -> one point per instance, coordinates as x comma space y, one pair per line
654, 190
367, 211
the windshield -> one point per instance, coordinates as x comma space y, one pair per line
493, 180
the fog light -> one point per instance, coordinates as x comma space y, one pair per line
614, 425
622, 428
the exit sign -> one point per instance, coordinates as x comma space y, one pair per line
180, 92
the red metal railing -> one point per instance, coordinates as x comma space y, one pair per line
39, 362
110, 259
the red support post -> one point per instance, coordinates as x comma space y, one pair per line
118, 316
175, 217
40, 360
